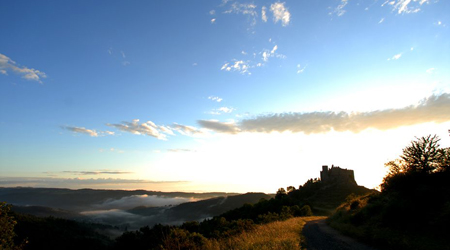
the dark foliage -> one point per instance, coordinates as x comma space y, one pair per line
54, 233
413, 209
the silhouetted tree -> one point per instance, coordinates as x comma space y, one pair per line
423, 155
280, 193
7, 223
290, 189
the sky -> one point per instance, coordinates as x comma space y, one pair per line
233, 96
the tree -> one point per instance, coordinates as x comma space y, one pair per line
423, 155
7, 224
280, 193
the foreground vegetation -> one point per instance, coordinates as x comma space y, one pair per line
413, 209
280, 235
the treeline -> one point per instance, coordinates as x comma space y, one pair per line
413, 209
197, 235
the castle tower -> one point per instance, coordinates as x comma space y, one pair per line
324, 173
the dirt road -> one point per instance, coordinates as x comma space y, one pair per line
319, 236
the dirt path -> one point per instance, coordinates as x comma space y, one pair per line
319, 236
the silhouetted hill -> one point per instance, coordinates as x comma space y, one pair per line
213, 207
84, 199
40, 211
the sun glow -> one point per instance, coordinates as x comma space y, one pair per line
258, 162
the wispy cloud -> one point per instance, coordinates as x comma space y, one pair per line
432, 109
280, 13
115, 150
187, 130
222, 110
395, 57
244, 9
213, 20
6, 64
146, 128
244, 66
97, 172
82, 130
300, 69
237, 65
221, 127
430, 70
264, 14
215, 98
381, 20
406, 6
340, 9
180, 150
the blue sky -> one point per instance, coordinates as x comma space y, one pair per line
217, 95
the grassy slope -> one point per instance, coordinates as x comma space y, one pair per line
278, 235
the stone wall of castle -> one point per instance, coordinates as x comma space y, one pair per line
337, 175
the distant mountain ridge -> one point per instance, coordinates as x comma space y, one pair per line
81, 199
124, 209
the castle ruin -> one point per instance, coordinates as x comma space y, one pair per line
337, 175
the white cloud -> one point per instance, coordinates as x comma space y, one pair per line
395, 57
300, 69
432, 109
6, 64
147, 128
339, 10
188, 130
407, 6
430, 70
280, 13
382, 20
244, 66
239, 66
82, 130
263, 14
244, 9
212, 12
213, 20
266, 54
180, 150
123, 54
215, 98
274, 49
222, 110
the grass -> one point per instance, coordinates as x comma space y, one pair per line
277, 235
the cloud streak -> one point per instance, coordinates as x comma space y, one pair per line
82, 130
432, 109
221, 127
8, 65
98, 172
146, 128
407, 6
